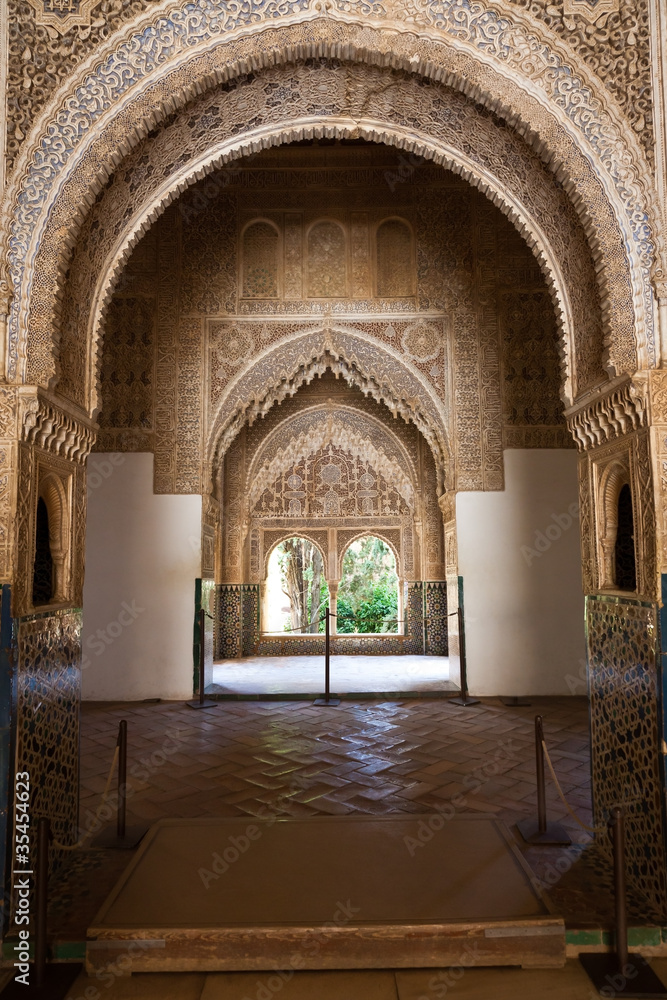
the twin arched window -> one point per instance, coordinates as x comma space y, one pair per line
329, 263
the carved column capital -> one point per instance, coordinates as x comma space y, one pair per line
447, 505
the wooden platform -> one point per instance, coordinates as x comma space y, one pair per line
344, 892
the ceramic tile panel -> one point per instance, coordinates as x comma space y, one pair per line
625, 734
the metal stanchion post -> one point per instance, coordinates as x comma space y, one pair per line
327, 700
124, 837
122, 777
546, 834
514, 701
202, 701
619, 973
464, 698
46, 980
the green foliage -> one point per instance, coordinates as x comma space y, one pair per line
368, 595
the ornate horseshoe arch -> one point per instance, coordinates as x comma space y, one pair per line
552, 263
160, 61
375, 368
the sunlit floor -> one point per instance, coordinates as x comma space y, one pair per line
305, 674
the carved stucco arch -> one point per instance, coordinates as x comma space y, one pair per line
296, 532
287, 444
613, 478
552, 261
372, 366
112, 228
51, 490
513, 66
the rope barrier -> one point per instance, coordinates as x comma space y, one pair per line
87, 836
584, 826
298, 628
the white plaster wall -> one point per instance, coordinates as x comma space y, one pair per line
521, 566
142, 558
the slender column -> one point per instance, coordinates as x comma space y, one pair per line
263, 606
333, 605
447, 504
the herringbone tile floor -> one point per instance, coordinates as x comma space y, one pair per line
293, 759
250, 758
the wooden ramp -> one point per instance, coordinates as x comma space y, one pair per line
344, 892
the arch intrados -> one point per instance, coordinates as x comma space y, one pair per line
52, 492
371, 533
295, 534
425, 146
615, 477
477, 74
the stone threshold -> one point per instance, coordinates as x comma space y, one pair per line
648, 941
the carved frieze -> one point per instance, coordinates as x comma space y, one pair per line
619, 410
47, 426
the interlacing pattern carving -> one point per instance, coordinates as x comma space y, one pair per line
49, 692
607, 141
301, 439
41, 59
617, 47
211, 287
